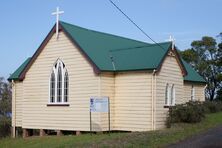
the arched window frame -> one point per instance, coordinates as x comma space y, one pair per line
55, 70
52, 87
170, 95
192, 93
172, 101
66, 86
167, 94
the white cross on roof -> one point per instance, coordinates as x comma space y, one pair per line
57, 13
171, 39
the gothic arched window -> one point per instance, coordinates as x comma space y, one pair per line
66, 84
59, 83
192, 93
167, 95
172, 95
52, 87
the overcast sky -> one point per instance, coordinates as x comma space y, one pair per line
25, 23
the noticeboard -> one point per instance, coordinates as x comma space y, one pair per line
99, 104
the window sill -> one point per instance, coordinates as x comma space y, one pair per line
168, 106
57, 104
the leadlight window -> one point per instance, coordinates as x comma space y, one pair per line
172, 95
192, 93
66, 84
59, 83
167, 94
52, 87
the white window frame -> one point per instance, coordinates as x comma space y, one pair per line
50, 86
193, 93
170, 95
65, 71
55, 70
167, 95
173, 95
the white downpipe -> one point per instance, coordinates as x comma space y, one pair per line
153, 98
152, 103
154, 109
14, 101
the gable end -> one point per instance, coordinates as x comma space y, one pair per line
44, 43
176, 55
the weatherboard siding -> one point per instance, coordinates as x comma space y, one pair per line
83, 83
107, 81
199, 91
133, 101
187, 91
17, 97
170, 73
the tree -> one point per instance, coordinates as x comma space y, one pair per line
5, 107
219, 93
205, 56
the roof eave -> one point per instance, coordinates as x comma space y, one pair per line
194, 81
36, 54
14, 79
43, 44
180, 61
96, 69
184, 71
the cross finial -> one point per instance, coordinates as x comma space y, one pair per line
171, 39
57, 13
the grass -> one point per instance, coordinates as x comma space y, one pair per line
138, 139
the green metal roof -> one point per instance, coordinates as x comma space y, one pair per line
114, 53
99, 46
192, 74
15, 75
141, 58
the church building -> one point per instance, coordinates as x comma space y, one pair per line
52, 89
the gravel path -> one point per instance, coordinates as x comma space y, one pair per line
210, 139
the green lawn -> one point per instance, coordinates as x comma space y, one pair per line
142, 139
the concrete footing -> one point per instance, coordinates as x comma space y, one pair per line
78, 133
59, 133
42, 132
25, 133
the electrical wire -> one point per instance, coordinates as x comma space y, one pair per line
134, 23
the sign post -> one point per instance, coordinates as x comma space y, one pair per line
99, 104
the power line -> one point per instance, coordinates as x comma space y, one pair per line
134, 23
131, 48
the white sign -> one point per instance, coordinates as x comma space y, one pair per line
99, 104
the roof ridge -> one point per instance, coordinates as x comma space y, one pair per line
109, 34
136, 47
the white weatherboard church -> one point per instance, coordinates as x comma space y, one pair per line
52, 89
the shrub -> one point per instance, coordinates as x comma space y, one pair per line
5, 127
190, 112
212, 106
